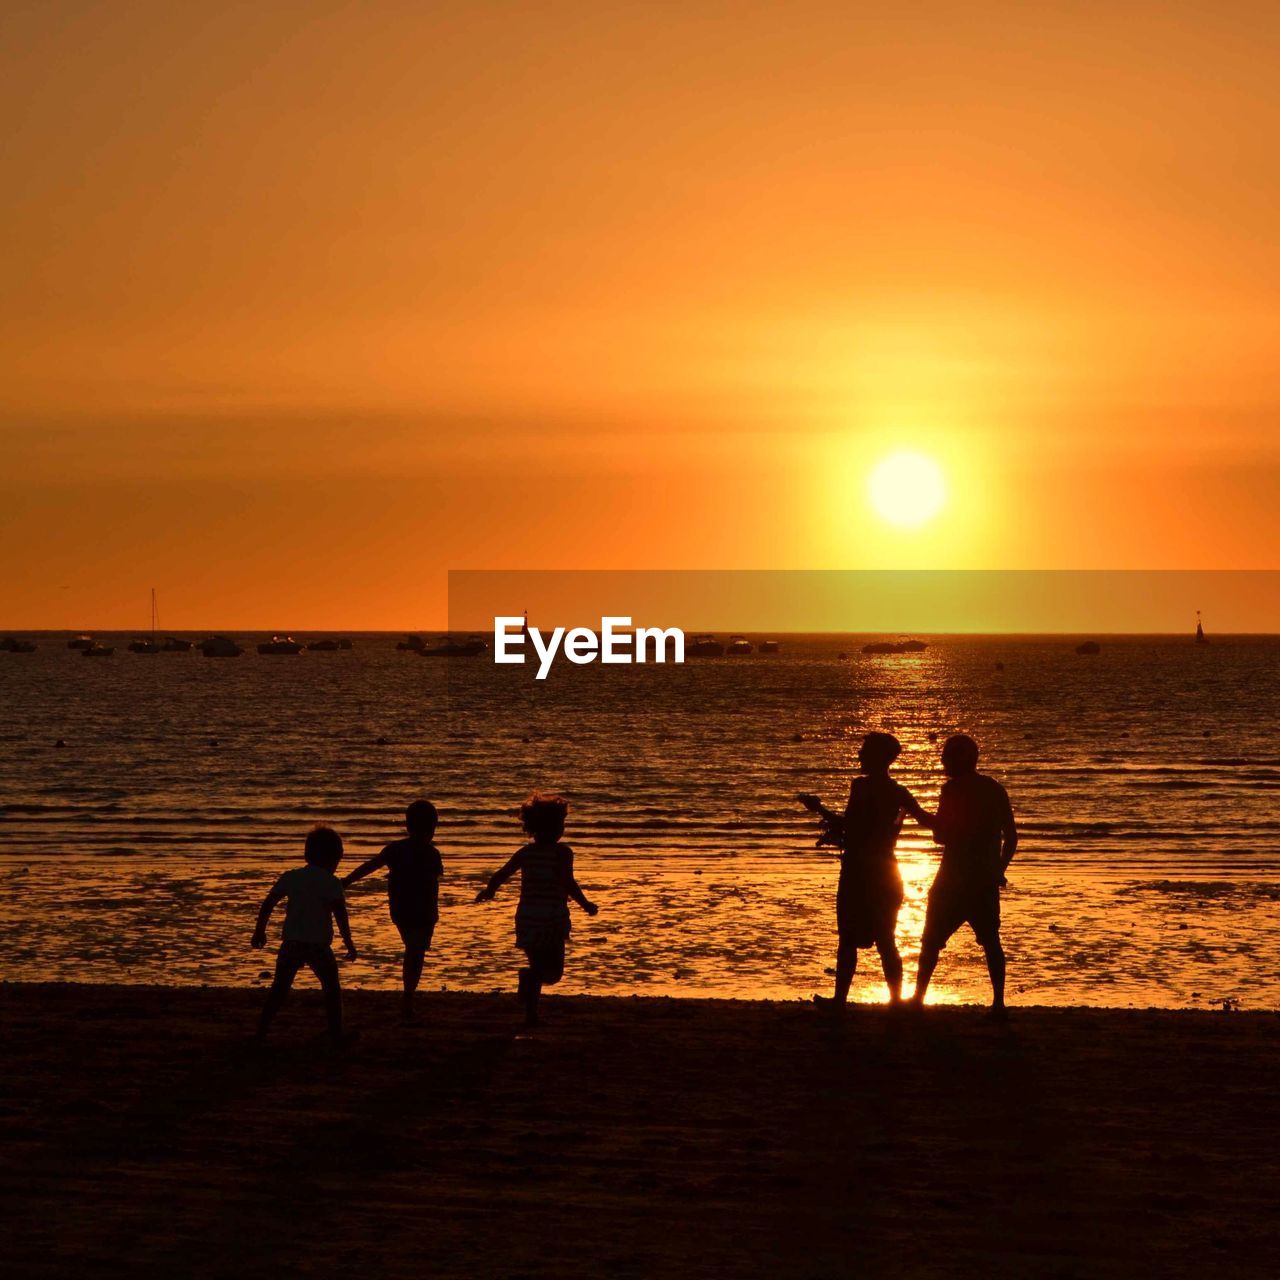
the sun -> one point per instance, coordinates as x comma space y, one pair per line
907, 489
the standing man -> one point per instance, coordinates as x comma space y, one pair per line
976, 830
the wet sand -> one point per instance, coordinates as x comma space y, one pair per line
141, 1135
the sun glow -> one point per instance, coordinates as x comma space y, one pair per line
907, 489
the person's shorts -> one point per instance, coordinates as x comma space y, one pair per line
867, 907
952, 904
295, 955
541, 935
416, 935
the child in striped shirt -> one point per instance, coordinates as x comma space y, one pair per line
546, 885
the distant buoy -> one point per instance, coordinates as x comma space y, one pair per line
797, 737
382, 742
213, 742
59, 744
999, 666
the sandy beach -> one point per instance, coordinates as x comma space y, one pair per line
142, 1135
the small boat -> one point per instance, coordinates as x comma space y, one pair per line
411, 644
344, 644
1089, 648
173, 644
895, 646
80, 642
220, 647
704, 645
1201, 638
768, 646
96, 650
448, 647
280, 645
323, 646
141, 644
11, 645
739, 646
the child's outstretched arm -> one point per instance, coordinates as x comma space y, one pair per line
344, 927
366, 868
259, 938
575, 892
500, 877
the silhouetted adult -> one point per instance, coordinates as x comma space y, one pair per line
976, 830
869, 894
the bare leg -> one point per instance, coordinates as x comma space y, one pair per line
546, 968
924, 971
325, 967
892, 963
288, 962
846, 967
996, 968
414, 959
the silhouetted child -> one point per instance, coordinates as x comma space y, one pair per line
315, 900
869, 895
546, 885
978, 835
413, 890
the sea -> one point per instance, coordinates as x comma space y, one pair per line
1145, 779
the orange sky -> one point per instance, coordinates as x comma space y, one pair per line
305, 304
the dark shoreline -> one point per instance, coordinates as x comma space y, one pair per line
631, 1137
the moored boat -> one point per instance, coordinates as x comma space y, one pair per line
739, 646
1089, 648
411, 644
280, 645
220, 647
704, 645
1201, 638
768, 646
96, 650
895, 646
80, 642
10, 644
174, 644
144, 644
323, 646
448, 647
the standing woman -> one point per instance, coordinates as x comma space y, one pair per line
869, 895
546, 885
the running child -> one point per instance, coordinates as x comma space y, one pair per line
413, 890
546, 885
315, 901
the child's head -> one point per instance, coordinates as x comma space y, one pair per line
421, 818
959, 755
878, 751
323, 847
543, 816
